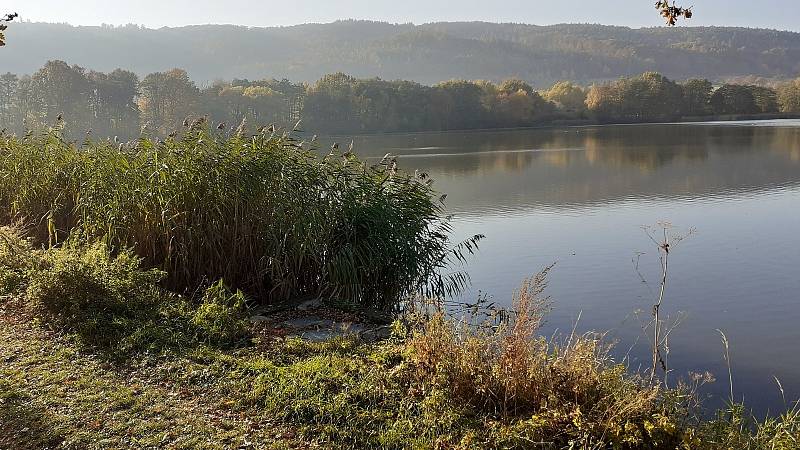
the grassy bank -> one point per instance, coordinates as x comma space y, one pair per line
96, 354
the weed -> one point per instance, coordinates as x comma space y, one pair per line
221, 318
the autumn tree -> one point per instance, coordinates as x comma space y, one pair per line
166, 99
513, 86
567, 96
255, 102
602, 100
789, 96
519, 105
650, 96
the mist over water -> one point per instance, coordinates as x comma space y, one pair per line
578, 197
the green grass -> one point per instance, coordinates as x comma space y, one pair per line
263, 212
54, 395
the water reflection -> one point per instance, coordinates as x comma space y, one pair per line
578, 196
513, 170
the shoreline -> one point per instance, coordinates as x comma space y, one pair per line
722, 120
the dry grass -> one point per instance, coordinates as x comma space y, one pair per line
571, 388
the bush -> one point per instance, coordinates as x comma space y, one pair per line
111, 302
102, 297
15, 261
221, 318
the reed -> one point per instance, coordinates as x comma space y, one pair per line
264, 212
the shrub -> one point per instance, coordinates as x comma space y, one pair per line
102, 297
15, 260
221, 318
109, 301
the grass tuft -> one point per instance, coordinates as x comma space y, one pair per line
221, 319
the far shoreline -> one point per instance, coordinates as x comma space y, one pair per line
721, 119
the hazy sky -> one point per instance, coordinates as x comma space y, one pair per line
780, 14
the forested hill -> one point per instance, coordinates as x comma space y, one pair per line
425, 53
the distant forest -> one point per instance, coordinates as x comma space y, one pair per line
540, 55
120, 104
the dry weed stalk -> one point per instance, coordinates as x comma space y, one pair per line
659, 339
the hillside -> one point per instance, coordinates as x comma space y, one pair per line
426, 53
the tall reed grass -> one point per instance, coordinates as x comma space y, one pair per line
264, 212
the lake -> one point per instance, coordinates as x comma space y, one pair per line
579, 197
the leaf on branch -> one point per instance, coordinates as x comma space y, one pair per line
671, 13
3, 27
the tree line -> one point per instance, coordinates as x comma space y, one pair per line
120, 104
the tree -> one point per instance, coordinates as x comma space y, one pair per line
112, 100
8, 92
26, 107
256, 102
765, 99
166, 99
62, 91
567, 96
329, 103
789, 96
514, 85
459, 104
650, 96
733, 99
521, 108
602, 100
696, 94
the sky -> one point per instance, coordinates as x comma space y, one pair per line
778, 14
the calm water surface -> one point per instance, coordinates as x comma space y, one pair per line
579, 197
